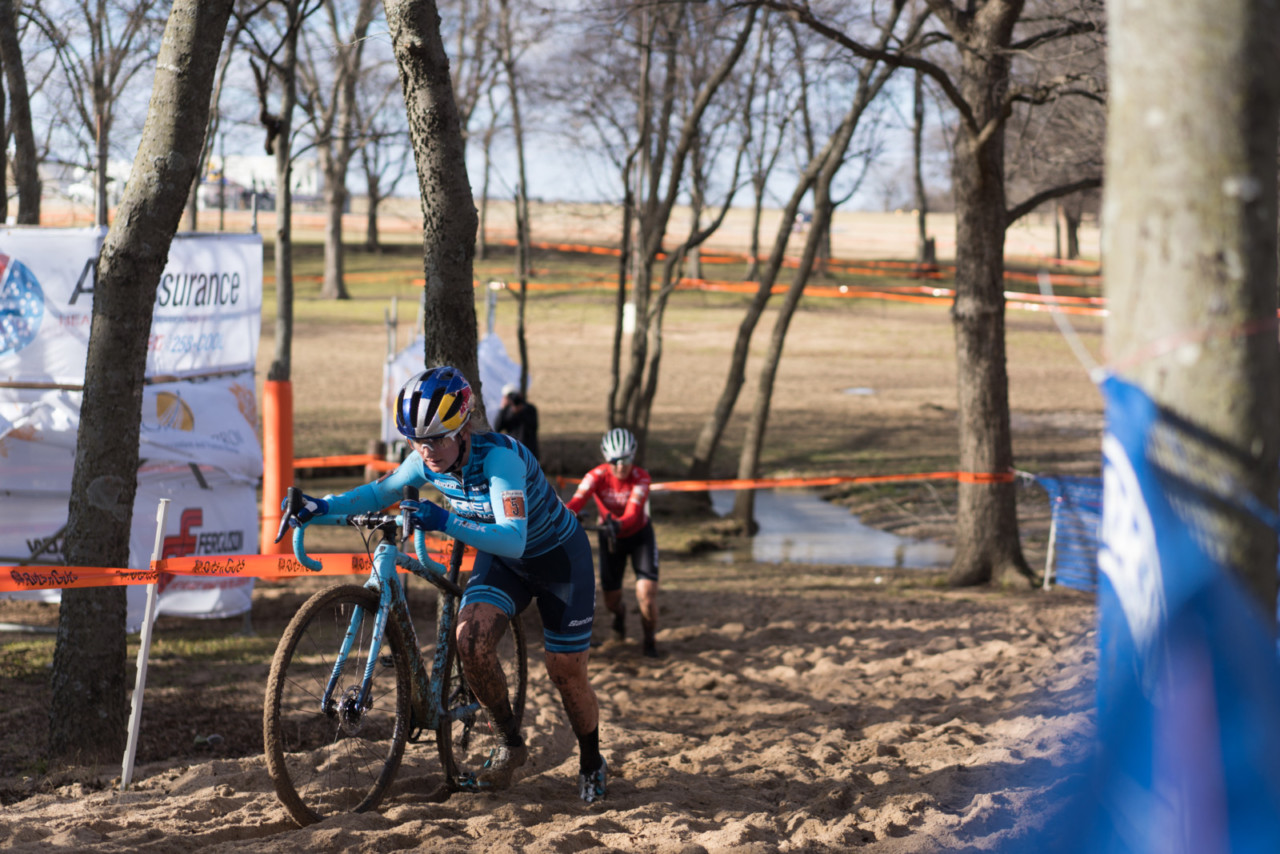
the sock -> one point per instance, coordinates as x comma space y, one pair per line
510, 732
589, 757
647, 628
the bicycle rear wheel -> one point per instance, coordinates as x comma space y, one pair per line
465, 735
338, 757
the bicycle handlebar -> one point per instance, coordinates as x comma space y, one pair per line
368, 521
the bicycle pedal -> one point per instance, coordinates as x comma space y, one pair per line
468, 783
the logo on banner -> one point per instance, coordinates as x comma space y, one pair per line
172, 413
188, 542
245, 402
21, 305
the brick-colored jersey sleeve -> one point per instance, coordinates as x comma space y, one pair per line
586, 488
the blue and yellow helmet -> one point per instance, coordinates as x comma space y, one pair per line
434, 404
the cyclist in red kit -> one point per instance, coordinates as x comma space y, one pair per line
621, 491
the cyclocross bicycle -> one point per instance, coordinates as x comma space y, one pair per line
349, 685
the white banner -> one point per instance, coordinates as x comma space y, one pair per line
198, 439
207, 312
209, 514
210, 423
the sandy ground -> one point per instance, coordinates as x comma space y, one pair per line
796, 709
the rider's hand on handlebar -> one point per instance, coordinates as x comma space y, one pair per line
311, 508
426, 515
612, 526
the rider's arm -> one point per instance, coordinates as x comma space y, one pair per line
383, 492
586, 487
507, 534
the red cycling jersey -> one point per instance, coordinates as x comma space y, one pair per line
625, 500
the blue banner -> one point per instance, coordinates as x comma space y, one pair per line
1188, 678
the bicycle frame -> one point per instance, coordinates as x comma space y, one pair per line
426, 701
342, 750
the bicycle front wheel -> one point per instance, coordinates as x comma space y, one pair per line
465, 735
335, 754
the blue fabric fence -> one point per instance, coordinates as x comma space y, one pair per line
1076, 507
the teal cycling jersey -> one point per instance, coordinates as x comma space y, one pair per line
502, 503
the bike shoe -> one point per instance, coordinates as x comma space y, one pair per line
500, 767
619, 625
592, 787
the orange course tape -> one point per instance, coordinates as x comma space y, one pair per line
779, 482
15, 579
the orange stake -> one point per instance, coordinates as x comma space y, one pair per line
277, 460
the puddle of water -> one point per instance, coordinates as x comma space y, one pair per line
797, 526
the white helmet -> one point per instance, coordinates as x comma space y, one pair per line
618, 444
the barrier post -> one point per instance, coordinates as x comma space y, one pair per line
277, 460
144, 653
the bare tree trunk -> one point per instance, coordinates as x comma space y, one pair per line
487, 150
1072, 212
925, 253
101, 160
373, 192
282, 364
620, 305
987, 544
334, 285
338, 148
506, 50
448, 212
757, 215
1190, 245
4, 161
26, 174
88, 712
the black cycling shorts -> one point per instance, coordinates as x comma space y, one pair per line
641, 547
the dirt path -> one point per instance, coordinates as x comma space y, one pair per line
797, 709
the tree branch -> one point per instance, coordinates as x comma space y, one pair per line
1020, 210
799, 11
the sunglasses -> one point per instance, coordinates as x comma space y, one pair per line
434, 442
621, 461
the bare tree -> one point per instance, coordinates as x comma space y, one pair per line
329, 71
826, 159
215, 118
1190, 245
385, 156
25, 157
981, 89
871, 79
1059, 140
448, 212
648, 123
509, 51
277, 50
925, 252
769, 111
87, 711
101, 49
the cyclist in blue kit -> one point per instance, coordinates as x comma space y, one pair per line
529, 546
